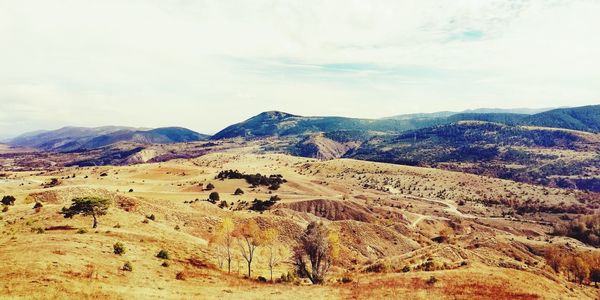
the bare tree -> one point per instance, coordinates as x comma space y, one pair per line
249, 238
274, 253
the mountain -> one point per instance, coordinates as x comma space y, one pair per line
278, 124
523, 110
477, 111
275, 123
584, 118
80, 138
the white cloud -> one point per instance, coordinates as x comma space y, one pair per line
205, 64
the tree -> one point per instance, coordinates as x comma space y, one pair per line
249, 238
224, 240
87, 206
554, 258
595, 275
320, 247
274, 253
213, 197
8, 200
579, 268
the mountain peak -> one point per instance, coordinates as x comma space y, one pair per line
273, 115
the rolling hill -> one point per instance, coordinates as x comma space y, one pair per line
81, 138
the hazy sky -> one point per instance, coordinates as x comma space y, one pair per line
206, 64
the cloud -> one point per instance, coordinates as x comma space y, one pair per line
205, 64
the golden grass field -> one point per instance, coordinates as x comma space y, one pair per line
385, 214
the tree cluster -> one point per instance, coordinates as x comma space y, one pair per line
272, 181
580, 267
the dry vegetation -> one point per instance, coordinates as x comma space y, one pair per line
381, 231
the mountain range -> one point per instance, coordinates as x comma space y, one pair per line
280, 124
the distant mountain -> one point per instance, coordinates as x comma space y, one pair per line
584, 118
277, 124
478, 111
80, 138
523, 111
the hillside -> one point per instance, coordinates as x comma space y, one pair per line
535, 155
584, 118
79, 138
403, 232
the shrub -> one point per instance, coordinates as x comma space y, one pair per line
38, 230
119, 248
180, 275
163, 254
177, 227
151, 217
38, 205
127, 267
5, 209
210, 186
261, 279
131, 190
432, 280
213, 197
82, 231
223, 204
8, 200
406, 269
165, 264
345, 279
238, 191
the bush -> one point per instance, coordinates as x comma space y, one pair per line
238, 191
8, 200
210, 187
223, 204
165, 264
180, 275
261, 279
119, 248
38, 230
406, 269
213, 197
131, 190
345, 279
127, 267
163, 254
82, 231
432, 280
5, 209
38, 205
151, 217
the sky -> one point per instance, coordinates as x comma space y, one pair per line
207, 64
